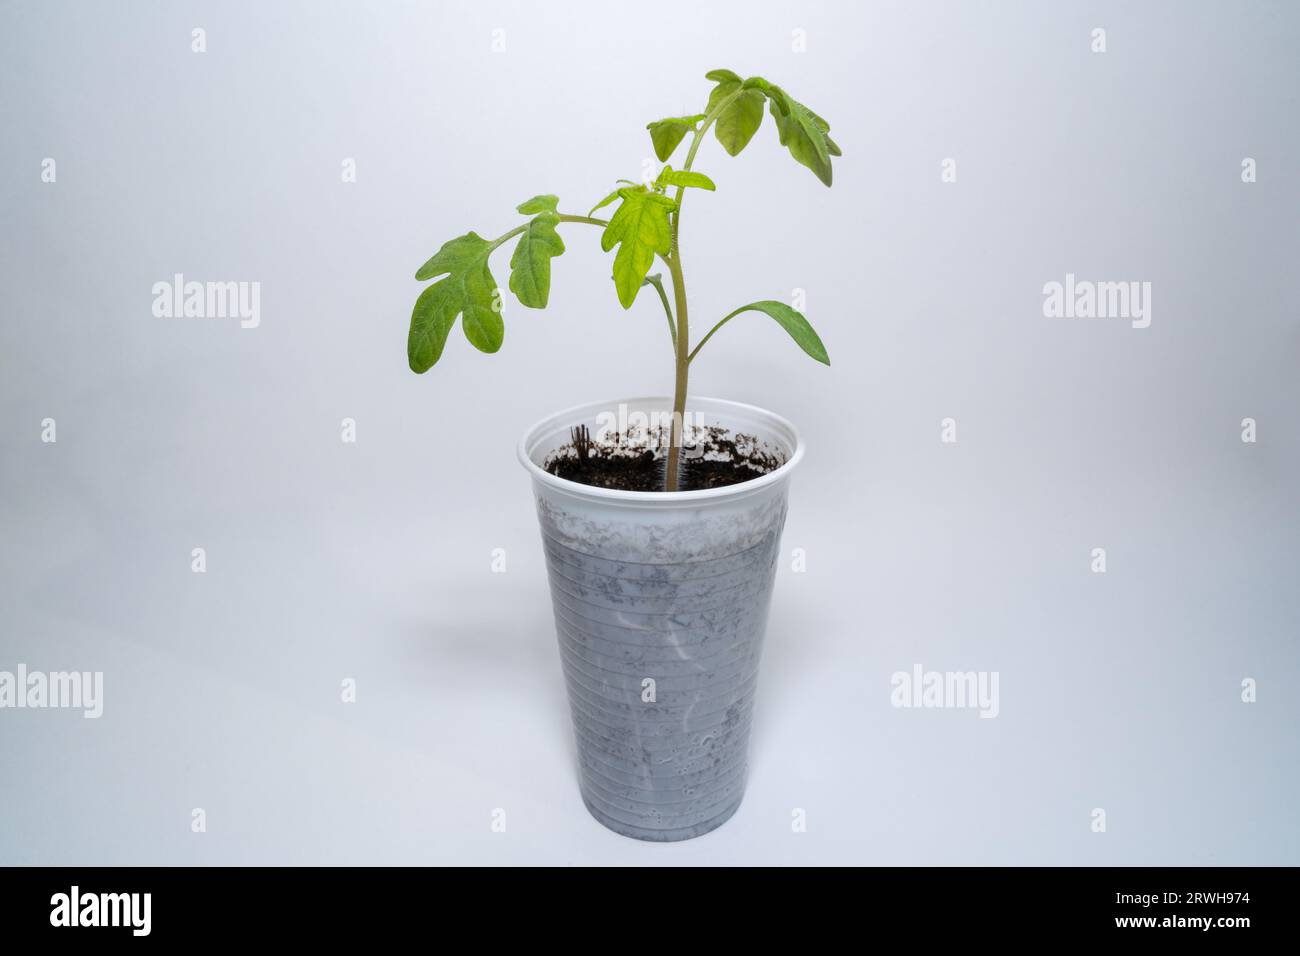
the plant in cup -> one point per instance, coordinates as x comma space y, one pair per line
661, 574
645, 225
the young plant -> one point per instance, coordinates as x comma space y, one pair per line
645, 225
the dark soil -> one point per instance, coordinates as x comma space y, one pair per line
715, 459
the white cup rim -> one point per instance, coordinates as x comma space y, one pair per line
785, 433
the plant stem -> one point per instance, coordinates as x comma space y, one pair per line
683, 342
668, 309
592, 221
683, 365
564, 217
505, 237
724, 321
587, 219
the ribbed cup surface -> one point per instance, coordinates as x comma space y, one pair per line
660, 604
661, 761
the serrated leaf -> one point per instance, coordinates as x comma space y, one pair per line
739, 121
803, 132
667, 134
779, 97
640, 228
468, 291
794, 323
604, 202
546, 203
530, 266
720, 92
678, 177
740, 113
456, 255
431, 320
741, 117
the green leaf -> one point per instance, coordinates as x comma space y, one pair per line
538, 204
740, 104
720, 92
640, 229
667, 134
737, 124
604, 202
530, 266
430, 322
468, 290
456, 255
794, 323
674, 177
742, 115
803, 132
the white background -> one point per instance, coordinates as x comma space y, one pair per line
372, 560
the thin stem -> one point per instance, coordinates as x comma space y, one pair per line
724, 321
507, 236
564, 217
587, 219
683, 366
674, 260
668, 309
699, 134
591, 221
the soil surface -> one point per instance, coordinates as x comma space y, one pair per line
713, 458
